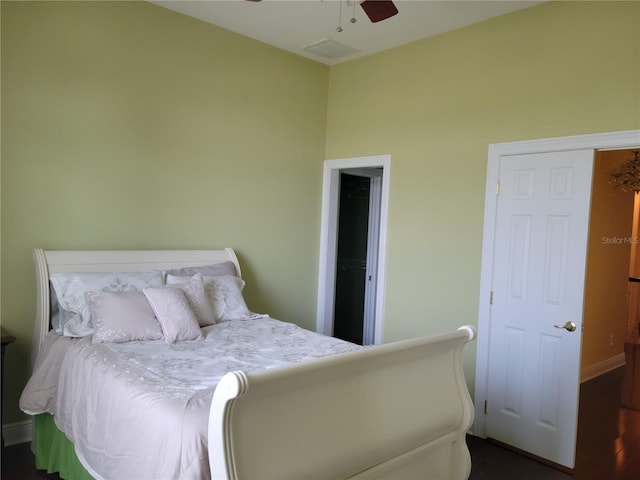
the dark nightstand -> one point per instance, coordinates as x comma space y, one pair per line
6, 340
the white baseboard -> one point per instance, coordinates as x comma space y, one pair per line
19, 432
601, 368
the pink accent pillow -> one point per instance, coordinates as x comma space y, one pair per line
122, 317
193, 289
174, 314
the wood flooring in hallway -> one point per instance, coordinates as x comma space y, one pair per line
608, 444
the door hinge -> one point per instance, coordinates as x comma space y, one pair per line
498, 187
491, 298
485, 407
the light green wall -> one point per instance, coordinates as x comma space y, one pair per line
126, 125
562, 68
129, 126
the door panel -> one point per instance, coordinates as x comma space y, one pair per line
538, 282
373, 248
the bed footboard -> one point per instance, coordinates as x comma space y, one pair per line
397, 411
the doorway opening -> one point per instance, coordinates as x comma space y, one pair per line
353, 248
611, 256
356, 269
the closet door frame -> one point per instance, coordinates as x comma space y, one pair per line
328, 241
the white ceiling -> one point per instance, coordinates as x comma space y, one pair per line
294, 24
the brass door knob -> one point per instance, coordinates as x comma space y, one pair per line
569, 326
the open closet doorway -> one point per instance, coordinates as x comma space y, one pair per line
352, 248
356, 268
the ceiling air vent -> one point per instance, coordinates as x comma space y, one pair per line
330, 49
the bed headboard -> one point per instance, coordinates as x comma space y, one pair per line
48, 262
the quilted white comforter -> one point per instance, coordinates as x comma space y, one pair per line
139, 410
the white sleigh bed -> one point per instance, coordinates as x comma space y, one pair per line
329, 410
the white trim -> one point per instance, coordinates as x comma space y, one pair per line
598, 141
601, 368
328, 248
18, 432
328, 240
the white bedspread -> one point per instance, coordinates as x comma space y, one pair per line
139, 410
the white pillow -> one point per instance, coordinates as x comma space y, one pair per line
174, 314
58, 315
193, 289
222, 268
122, 317
225, 294
71, 287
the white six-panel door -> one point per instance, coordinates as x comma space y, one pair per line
539, 262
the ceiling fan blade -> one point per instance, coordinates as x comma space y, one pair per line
378, 10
